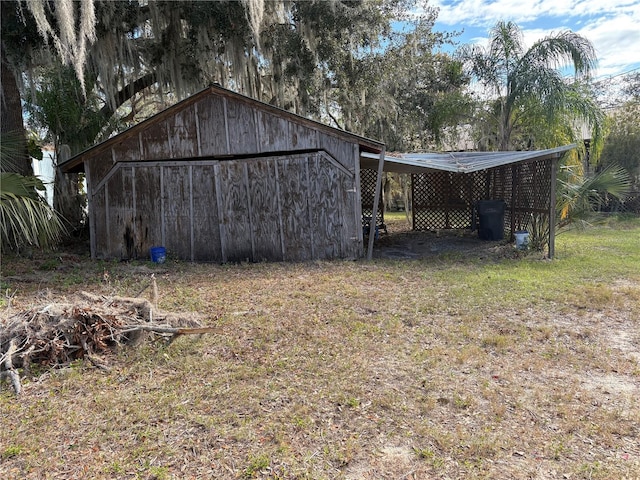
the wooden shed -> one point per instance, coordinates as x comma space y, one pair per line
222, 177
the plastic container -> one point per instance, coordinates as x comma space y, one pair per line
158, 254
491, 219
522, 240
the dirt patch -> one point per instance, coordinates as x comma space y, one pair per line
359, 370
406, 245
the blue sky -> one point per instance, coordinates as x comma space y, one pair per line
613, 26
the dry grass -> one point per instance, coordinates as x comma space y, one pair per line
450, 367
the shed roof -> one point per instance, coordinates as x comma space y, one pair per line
457, 162
76, 163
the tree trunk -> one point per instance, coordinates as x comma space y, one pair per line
68, 199
11, 116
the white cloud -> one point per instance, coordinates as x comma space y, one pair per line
617, 43
613, 26
487, 12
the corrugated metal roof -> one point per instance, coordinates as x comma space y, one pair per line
457, 162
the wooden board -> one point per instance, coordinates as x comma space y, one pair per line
100, 222
155, 141
265, 212
301, 137
120, 218
148, 210
212, 126
100, 166
177, 211
183, 137
242, 128
127, 150
351, 217
294, 202
326, 214
234, 210
340, 150
273, 133
206, 231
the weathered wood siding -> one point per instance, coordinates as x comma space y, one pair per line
291, 208
223, 178
206, 225
219, 127
211, 125
148, 209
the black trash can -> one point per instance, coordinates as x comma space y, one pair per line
491, 219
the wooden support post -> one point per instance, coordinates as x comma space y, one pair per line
552, 207
376, 203
515, 200
91, 210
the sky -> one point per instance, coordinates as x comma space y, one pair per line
612, 26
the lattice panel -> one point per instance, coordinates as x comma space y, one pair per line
368, 191
441, 200
531, 192
444, 200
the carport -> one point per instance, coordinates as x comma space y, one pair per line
446, 189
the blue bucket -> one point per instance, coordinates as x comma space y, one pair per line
158, 254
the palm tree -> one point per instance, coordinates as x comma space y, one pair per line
25, 218
528, 89
580, 196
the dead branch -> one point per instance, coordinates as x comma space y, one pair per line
9, 371
86, 327
168, 329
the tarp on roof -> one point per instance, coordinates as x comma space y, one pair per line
457, 162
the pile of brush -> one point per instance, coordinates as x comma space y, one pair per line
56, 334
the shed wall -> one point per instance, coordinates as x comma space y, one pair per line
217, 126
287, 207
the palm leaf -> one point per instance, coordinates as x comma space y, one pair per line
579, 198
25, 218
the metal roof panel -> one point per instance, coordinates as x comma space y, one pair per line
457, 162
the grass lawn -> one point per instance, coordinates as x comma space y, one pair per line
447, 367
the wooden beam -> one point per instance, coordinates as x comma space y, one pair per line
135, 211
247, 189
197, 119
226, 125
92, 212
162, 209
552, 207
376, 203
283, 249
191, 219
357, 211
223, 231
310, 158
515, 193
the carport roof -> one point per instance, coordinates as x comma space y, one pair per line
457, 162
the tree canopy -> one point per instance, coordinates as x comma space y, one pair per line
335, 60
622, 143
527, 88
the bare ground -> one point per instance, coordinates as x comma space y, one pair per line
380, 370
